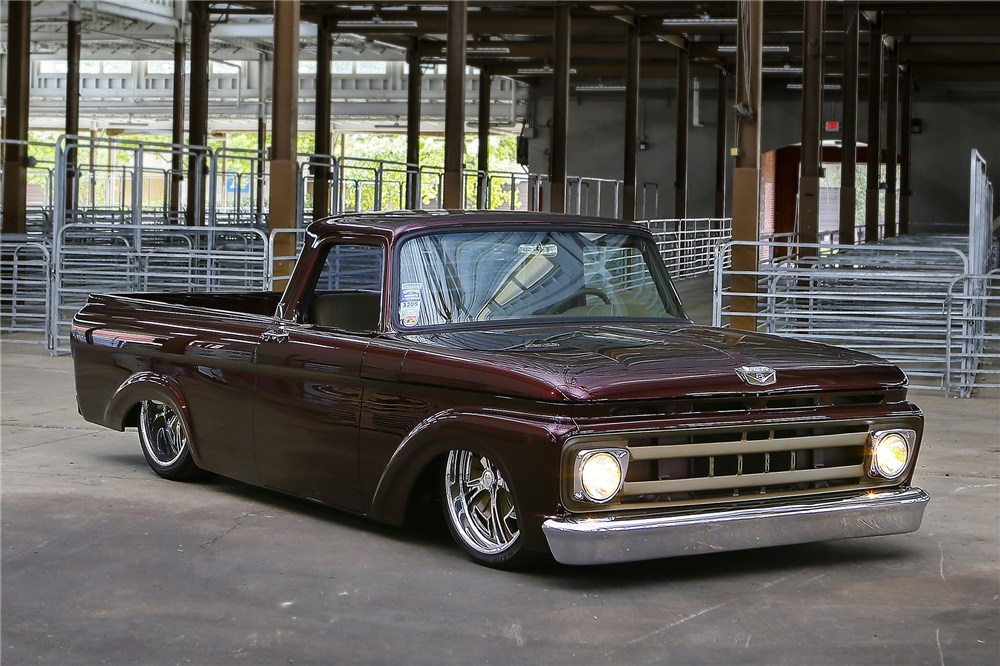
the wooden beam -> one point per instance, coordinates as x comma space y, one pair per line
849, 147
812, 118
631, 123
284, 135
558, 155
746, 175
454, 122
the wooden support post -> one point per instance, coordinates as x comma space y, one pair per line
454, 107
413, 196
321, 170
849, 144
198, 113
284, 134
746, 175
874, 132
177, 127
721, 149
483, 163
558, 157
906, 126
631, 121
15, 157
812, 118
683, 121
891, 144
72, 103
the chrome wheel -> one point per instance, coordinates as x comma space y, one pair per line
162, 432
480, 503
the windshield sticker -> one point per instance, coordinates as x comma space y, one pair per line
409, 303
544, 249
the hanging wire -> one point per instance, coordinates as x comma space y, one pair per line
744, 107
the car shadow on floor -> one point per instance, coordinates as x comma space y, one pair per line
426, 527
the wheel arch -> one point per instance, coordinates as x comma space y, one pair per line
123, 408
527, 454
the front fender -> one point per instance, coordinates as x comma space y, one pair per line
526, 450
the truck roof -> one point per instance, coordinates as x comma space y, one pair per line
396, 223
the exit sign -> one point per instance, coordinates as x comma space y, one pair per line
832, 126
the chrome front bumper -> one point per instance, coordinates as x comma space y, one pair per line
616, 539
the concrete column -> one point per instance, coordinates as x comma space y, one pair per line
15, 157
413, 197
746, 175
683, 121
198, 112
891, 145
812, 118
560, 109
72, 102
874, 132
849, 128
631, 121
321, 174
483, 163
177, 130
454, 107
284, 132
721, 152
905, 127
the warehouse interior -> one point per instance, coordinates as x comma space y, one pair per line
815, 169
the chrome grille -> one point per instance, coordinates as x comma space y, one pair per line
693, 466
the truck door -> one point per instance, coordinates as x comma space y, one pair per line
309, 388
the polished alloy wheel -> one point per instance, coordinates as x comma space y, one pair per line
480, 503
162, 433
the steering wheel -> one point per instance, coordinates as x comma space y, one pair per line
565, 303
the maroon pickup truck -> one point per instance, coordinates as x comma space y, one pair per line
537, 373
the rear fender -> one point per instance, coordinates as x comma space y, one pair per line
149, 386
526, 451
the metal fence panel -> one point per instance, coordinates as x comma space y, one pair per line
123, 258
973, 333
891, 301
25, 289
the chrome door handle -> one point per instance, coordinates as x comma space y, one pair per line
274, 335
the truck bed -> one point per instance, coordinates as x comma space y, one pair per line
245, 302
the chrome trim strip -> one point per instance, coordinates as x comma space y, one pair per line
737, 446
742, 480
604, 540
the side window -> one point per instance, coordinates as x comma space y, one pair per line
351, 268
348, 292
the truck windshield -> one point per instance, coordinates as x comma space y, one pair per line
464, 277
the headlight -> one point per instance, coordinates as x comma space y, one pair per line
890, 452
600, 474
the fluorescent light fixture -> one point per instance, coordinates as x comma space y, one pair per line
731, 48
826, 86
481, 49
599, 88
539, 70
781, 70
376, 24
699, 21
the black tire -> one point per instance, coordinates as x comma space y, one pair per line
480, 510
166, 442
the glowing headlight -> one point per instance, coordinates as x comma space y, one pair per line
890, 452
600, 474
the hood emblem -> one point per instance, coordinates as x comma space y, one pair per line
757, 375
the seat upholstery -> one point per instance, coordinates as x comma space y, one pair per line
350, 311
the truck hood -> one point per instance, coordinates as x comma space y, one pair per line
632, 362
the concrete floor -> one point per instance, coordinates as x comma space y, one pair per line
103, 562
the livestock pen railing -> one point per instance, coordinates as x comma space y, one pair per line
95, 258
